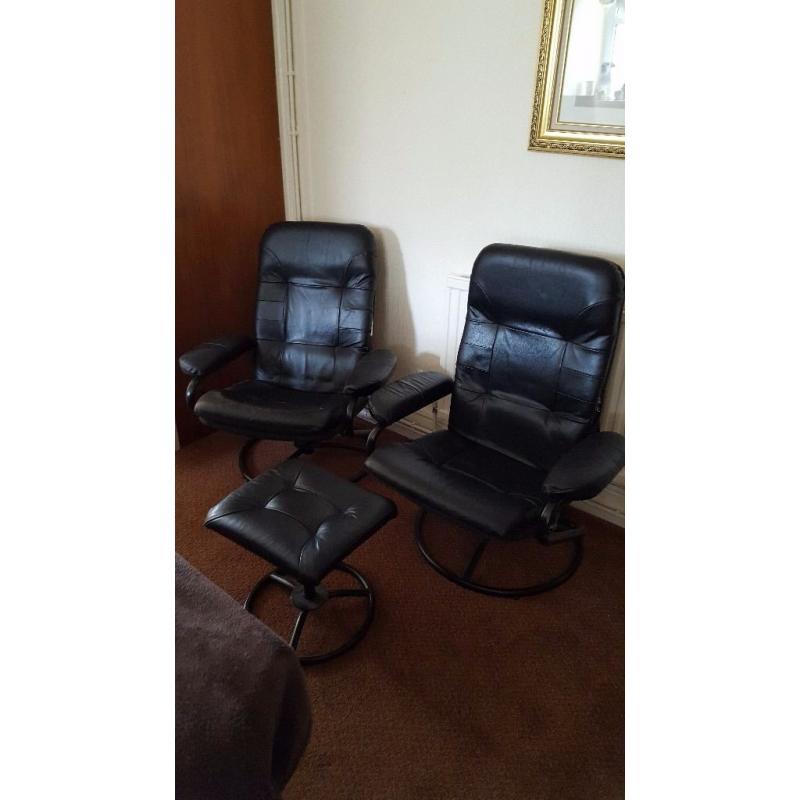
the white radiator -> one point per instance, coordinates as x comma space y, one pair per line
457, 291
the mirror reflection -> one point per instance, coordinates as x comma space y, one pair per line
592, 80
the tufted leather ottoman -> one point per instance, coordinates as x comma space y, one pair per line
304, 520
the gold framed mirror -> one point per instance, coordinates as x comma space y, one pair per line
579, 98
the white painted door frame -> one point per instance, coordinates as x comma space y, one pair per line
283, 37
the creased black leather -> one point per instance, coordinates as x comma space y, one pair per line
587, 468
407, 395
210, 356
315, 299
457, 477
300, 518
540, 332
265, 411
537, 344
313, 322
371, 371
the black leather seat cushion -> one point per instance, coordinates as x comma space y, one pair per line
268, 411
445, 472
300, 518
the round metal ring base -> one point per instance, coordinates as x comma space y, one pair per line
497, 591
306, 449
364, 590
244, 452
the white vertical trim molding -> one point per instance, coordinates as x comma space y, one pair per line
283, 37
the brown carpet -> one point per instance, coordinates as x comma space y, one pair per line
451, 694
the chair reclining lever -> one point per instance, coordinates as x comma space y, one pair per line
554, 529
561, 532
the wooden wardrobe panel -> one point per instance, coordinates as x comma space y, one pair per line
228, 184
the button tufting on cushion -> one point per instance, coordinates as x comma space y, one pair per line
301, 518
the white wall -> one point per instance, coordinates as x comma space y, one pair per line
414, 119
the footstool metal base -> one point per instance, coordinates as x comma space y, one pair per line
305, 521
309, 598
370, 436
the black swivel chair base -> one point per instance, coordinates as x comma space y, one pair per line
463, 579
244, 456
309, 598
369, 434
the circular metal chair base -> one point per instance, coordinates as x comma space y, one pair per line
295, 592
244, 452
495, 591
249, 444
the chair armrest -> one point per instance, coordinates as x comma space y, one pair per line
210, 356
585, 470
371, 372
409, 394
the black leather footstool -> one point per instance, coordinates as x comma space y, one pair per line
305, 521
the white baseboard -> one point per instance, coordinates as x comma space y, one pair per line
609, 505
414, 425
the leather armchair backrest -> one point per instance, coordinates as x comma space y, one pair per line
540, 332
315, 300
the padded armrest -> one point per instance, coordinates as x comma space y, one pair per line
585, 470
409, 394
371, 372
210, 356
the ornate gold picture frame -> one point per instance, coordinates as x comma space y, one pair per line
579, 99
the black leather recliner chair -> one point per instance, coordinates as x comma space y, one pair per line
523, 435
313, 366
